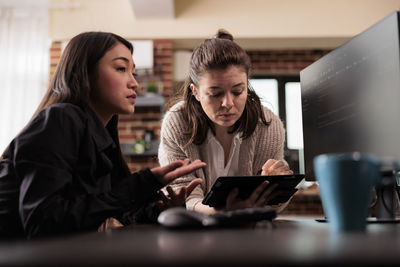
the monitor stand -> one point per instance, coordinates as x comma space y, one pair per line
387, 201
387, 205
380, 220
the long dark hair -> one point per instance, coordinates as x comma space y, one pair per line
216, 53
78, 63
71, 80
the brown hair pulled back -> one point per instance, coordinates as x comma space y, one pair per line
217, 53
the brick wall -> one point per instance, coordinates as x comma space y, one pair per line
282, 62
55, 55
133, 127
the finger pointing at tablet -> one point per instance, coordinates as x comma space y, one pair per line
275, 167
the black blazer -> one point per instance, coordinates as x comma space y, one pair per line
61, 175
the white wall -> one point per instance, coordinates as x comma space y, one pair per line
276, 21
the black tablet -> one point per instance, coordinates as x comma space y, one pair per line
246, 185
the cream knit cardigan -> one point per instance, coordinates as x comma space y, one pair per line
265, 143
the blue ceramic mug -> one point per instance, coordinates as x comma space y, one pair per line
346, 182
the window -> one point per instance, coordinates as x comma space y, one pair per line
24, 66
294, 123
282, 95
267, 90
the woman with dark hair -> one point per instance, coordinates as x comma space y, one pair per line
219, 119
64, 172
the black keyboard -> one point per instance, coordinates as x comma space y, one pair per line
179, 217
244, 216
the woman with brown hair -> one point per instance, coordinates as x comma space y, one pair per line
219, 119
64, 173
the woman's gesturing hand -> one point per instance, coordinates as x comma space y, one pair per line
170, 172
177, 199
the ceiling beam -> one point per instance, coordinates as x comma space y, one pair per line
153, 9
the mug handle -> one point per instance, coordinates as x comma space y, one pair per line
390, 170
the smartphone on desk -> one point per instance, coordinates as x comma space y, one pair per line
287, 186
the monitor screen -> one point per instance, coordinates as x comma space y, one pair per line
351, 97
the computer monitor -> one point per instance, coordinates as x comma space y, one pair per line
351, 97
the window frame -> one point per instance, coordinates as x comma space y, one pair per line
291, 155
282, 80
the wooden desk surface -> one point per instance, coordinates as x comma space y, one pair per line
285, 242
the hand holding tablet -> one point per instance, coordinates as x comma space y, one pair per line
284, 186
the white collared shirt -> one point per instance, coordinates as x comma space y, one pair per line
216, 156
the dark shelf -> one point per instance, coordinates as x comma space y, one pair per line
150, 100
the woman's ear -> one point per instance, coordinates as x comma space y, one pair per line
194, 91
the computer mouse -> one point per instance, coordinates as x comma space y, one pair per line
180, 217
